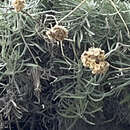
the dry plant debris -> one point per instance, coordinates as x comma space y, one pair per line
94, 59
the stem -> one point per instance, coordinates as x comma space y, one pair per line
72, 11
28, 48
62, 51
120, 69
18, 127
24, 12
117, 45
6, 7
112, 3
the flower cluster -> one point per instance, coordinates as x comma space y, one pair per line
18, 5
57, 33
94, 59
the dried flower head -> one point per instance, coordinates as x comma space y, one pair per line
18, 5
94, 59
57, 33
100, 68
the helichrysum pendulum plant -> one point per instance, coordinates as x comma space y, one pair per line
95, 22
79, 87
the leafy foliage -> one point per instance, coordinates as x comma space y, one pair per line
43, 84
